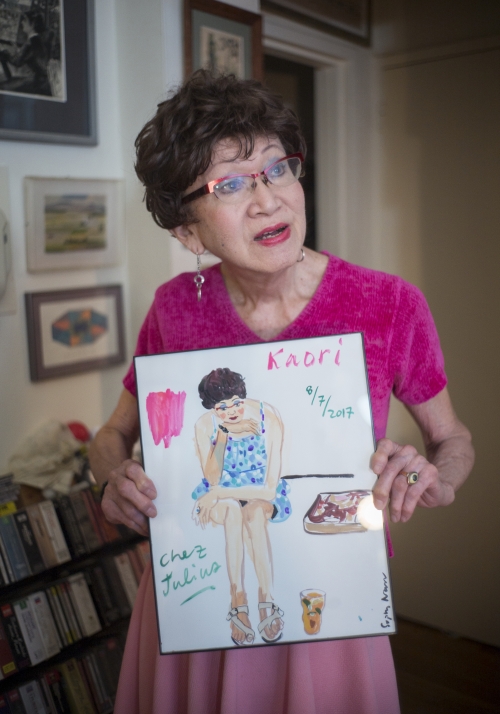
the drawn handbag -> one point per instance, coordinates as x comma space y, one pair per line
335, 513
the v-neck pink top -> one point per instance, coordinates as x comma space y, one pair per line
354, 676
402, 346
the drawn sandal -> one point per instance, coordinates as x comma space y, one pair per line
232, 615
276, 614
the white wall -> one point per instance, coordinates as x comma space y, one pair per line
150, 63
24, 405
138, 58
437, 224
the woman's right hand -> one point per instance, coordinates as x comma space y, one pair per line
128, 497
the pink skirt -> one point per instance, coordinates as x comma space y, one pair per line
343, 676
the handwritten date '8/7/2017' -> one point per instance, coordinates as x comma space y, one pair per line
321, 399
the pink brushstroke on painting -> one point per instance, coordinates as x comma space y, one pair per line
165, 415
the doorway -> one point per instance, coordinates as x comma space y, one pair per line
295, 83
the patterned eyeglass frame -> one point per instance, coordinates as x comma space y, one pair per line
209, 187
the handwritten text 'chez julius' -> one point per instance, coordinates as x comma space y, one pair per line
278, 359
193, 571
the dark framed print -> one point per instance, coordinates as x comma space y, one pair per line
76, 330
348, 18
47, 73
222, 38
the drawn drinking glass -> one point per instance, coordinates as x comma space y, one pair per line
313, 604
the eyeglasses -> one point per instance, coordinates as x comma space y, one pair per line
224, 406
234, 189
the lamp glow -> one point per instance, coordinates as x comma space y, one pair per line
369, 516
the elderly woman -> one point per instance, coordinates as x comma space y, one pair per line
220, 162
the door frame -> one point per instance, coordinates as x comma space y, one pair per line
343, 132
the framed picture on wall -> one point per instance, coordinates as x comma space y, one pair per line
222, 38
47, 73
73, 331
73, 223
347, 18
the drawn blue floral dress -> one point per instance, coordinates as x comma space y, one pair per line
245, 464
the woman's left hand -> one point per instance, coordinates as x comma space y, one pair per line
202, 508
391, 462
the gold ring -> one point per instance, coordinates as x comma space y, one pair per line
411, 477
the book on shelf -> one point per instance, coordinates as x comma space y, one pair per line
114, 655
76, 689
58, 615
45, 621
54, 531
13, 547
4, 576
116, 586
108, 531
7, 508
102, 594
14, 636
92, 540
127, 577
102, 699
91, 507
9, 492
53, 683
69, 524
30, 631
106, 665
32, 697
7, 663
41, 535
83, 605
28, 542
67, 608
15, 702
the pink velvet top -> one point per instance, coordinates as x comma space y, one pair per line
402, 346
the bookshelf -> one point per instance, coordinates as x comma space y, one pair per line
69, 581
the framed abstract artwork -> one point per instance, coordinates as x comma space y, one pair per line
222, 38
73, 224
73, 331
47, 72
266, 529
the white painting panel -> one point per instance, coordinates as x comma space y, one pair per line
289, 521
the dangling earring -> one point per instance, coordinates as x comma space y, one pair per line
198, 278
302, 256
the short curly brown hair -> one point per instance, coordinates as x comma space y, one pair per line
221, 384
177, 144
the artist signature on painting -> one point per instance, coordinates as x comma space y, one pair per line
385, 598
197, 573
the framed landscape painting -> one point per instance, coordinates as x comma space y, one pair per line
266, 530
222, 38
73, 223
